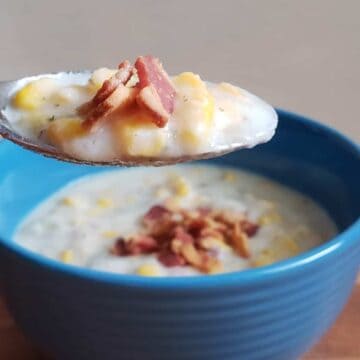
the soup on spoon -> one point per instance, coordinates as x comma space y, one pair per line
138, 113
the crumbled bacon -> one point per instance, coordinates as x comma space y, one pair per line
146, 84
140, 244
240, 241
154, 214
113, 95
189, 237
157, 95
249, 228
168, 258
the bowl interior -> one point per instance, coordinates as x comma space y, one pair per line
303, 155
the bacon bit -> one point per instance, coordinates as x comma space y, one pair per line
119, 248
180, 234
154, 214
118, 100
157, 94
168, 258
240, 241
149, 100
196, 226
140, 244
249, 228
189, 237
113, 95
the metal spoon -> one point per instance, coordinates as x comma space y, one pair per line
7, 89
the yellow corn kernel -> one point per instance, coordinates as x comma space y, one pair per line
148, 270
34, 94
68, 201
64, 129
188, 78
230, 176
266, 257
217, 268
67, 256
138, 136
288, 245
180, 186
105, 203
193, 88
189, 138
208, 108
110, 234
270, 217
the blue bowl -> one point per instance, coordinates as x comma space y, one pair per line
274, 312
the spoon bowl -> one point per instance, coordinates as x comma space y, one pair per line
7, 131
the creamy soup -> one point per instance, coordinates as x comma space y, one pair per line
174, 221
130, 113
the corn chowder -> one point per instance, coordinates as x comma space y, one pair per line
174, 221
138, 111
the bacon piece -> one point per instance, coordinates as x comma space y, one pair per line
119, 99
157, 95
119, 247
141, 244
249, 228
149, 100
180, 238
240, 241
159, 223
168, 258
113, 95
154, 214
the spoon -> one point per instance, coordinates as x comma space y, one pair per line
7, 90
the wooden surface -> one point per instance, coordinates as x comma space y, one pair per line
342, 342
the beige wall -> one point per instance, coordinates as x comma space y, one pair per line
302, 55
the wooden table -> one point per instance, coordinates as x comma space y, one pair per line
341, 343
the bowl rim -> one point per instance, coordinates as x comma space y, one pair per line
339, 243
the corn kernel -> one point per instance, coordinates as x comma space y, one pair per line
230, 176
68, 201
266, 257
110, 234
138, 136
105, 203
67, 256
34, 94
65, 129
285, 246
271, 217
195, 89
148, 270
181, 187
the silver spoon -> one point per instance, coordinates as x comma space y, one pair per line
7, 89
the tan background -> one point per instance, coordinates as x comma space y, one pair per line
302, 55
